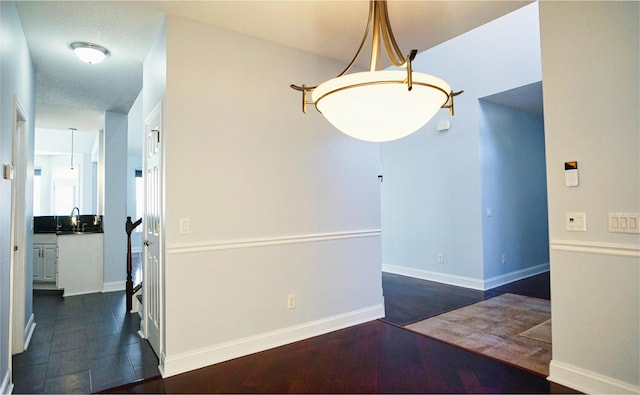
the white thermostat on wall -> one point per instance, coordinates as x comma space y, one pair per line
571, 173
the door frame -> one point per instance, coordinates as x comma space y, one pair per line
19, 330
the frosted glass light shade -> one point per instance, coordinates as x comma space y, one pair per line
377, 106
89, 53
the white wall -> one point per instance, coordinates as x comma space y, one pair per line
590, 57
134, 162
115, 201
16, 78
514, 189
134, 156
278, 202
431, 199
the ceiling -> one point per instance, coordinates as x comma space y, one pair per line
70, 93
527, 98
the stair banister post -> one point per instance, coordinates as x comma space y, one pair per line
129, 227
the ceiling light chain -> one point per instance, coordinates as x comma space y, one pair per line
72, 130
368, 105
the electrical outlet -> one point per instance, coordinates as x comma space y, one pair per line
504, 258
185, 226
291, 301
440, 258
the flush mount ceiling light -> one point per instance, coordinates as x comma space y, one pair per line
90, 53
379, 105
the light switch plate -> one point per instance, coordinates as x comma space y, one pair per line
624, 223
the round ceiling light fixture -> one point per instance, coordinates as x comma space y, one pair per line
89, 53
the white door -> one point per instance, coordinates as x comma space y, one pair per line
153, 282
18, 230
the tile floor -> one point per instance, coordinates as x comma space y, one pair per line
493, 327
82, 344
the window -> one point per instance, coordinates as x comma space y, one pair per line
65, 190
37, 185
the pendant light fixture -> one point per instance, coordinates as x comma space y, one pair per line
379, 105
72, 130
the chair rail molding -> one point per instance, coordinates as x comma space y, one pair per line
592, 247
215, 245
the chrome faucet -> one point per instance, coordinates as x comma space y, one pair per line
74, 219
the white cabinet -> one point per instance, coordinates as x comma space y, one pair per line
49, 263
73, 262
37, 262
45, 259
81, 268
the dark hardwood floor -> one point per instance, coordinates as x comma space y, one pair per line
536, 287
408, 300
375, 357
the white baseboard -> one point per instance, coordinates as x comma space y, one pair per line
6, 387
460, 281
587, 381
183, 362
114, 286
28, 331
466, 282
515, 276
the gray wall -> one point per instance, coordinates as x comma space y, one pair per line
514, 188
591, 75
432, 189
115, 201
280, 202
16, 78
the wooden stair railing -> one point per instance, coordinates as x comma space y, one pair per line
129, 227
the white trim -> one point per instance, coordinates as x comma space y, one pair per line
467, 282
460, 281
183, 362
113, 286
28, 331
587, 381
183, 248
591, 247
161, 361
66, 294
503, 279
7, 386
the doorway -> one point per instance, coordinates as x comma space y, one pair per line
21, 328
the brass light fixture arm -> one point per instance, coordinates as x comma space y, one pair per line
449, 103
305, 90
394, 54
378, 20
